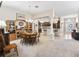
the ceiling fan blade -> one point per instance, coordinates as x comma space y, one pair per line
0, 3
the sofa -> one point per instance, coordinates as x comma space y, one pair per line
75, 35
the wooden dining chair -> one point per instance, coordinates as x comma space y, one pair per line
1, 44
25, 39
37, 37
7, 49
33, 38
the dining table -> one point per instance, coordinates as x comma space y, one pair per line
29, 37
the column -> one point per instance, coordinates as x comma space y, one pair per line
52, 18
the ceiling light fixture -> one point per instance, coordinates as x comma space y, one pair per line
36, 6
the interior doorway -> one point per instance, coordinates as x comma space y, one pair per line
70, 24
45, 25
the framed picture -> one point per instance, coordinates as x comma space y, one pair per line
20, 24
20, 16
70, 24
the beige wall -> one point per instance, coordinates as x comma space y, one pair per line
11, 13
43, 14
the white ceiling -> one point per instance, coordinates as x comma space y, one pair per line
61, 7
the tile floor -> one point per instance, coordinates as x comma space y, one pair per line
47, 47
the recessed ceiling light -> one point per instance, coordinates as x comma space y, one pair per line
36, 6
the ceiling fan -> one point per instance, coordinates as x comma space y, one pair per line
1, 3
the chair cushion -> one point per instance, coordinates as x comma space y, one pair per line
9, 47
